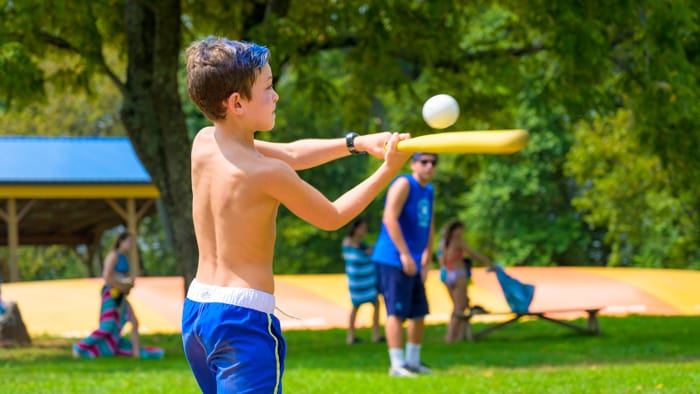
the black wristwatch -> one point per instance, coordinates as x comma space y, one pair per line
350, 143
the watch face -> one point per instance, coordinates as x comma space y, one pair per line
350, 143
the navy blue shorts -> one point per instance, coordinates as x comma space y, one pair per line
404, 296
231, 348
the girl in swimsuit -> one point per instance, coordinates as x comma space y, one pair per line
116, 311
454, 256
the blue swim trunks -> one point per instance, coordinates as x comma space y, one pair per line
232, 340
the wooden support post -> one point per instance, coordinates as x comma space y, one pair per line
6, 219
12, 218
132, 217
92, 249
12, 239
132, 224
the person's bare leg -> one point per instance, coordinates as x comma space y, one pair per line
450, 324
135, 337
463, 324
135, 342
451, 329
394, 332
394, 342
351, 326
415, 330
459, 295
376, 333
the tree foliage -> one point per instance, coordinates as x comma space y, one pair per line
628, 192
578, 75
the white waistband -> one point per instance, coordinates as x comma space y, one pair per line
239, 296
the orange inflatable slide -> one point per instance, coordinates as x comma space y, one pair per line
70, 307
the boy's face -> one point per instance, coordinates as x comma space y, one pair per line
261, 106
423, 167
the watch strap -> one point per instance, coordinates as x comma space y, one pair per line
350, 143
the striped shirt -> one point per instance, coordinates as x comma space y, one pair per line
361, 273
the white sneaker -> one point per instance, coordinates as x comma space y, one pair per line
402, 372
419, 369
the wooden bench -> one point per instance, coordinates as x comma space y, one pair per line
592, 327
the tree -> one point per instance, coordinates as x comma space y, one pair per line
66, 112
149, 33
543, 65
627, 191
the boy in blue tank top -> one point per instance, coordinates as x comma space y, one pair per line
402, 254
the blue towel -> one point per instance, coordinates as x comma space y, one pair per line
518, 295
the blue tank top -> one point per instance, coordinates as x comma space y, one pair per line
122, 265
415, 224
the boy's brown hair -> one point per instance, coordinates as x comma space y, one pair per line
218, 67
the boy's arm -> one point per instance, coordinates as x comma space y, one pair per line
284, 184
428, 252
308, 153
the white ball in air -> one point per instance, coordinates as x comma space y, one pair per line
440, 111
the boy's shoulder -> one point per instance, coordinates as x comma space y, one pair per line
401, 181
202, 137
203, 143
205, 148
204, 133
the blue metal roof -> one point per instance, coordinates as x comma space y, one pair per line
70, 160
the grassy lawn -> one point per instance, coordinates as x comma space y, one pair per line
637, 354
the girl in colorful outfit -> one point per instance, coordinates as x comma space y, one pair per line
454, 256
115, 311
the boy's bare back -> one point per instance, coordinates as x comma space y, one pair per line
234, 220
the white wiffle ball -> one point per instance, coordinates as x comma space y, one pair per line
440, 111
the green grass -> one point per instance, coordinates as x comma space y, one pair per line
637, 354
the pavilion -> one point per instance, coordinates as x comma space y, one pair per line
68, 191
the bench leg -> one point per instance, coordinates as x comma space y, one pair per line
593, 324
562, 323
468, 332
496, 326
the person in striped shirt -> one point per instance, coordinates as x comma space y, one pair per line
362, 278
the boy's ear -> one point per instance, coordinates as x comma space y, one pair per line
234, 102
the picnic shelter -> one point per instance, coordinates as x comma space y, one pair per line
68, 191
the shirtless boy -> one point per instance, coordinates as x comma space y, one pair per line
232, 340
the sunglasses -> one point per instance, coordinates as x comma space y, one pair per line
426, 161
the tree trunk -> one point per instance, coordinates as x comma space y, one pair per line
154, 119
